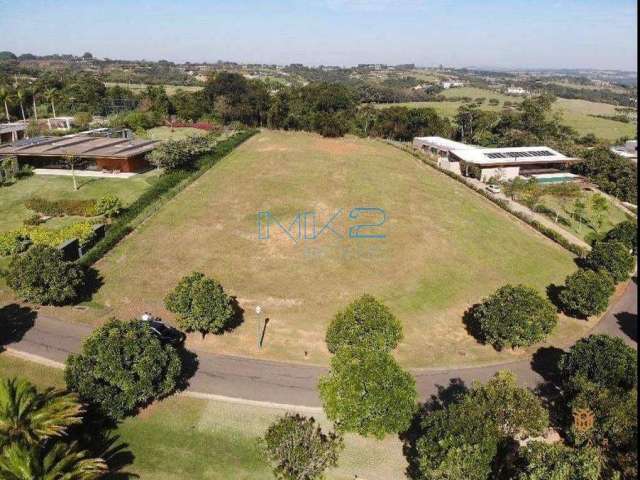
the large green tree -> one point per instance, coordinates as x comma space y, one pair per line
200, 304
368, 393
42, 276
122, 366
298, 449
587, 292
514, 316
542, 461
607, 361
366, 323
614, 257
625, 232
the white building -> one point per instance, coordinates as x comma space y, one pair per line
495, 163
452, 84
629, 150
517, 91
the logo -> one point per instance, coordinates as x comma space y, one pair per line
583, 419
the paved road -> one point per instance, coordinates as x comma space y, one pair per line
294, 384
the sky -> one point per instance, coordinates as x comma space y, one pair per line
458, 33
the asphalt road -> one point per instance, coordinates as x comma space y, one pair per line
295, 384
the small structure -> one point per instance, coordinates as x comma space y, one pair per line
12, 132
452, 84
440, 148
95, 153
517, 91
629, 150
60, 123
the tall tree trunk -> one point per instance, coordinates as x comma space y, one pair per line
53, 106
24, 119
73, 175
35, 109
6, 110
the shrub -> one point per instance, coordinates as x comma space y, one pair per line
121, 367
58, 208
614, 257
82, 119
367, 392
558, 462
587, 292
625, 232
109, 206
514, 316
12, 243
365, 323
42, 276
33, 220
83, 231
299, 450
601, 359
200, 304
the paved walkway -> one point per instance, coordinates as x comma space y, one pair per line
249, 379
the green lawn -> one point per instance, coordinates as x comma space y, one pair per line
584, 228
165, 133
139, 87
575, 113
184, 438
445, 249
12, 198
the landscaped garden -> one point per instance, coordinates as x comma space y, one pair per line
445, 249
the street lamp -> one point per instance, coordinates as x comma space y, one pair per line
259, 329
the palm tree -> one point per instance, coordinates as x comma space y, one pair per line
34, 94
29, 416
20, 96
50, 94
4, 96
56, 462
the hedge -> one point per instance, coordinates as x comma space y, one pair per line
546, 231
168, 185
58, 208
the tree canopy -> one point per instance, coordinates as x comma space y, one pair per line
614, 257
587, 292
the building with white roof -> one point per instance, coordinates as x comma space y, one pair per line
510, 162
629, 150
494, 163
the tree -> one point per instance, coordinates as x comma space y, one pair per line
368, 393
20, 96
169, 155
51, 94
599, 206
586, 292
514, 316
542, 461
299, 450
56, 461
82, 119
72, 160
614, 257
42, 276
461, 439
564, 192
365, 323
4, 97
579, 209
121, 367
625, 232
514, 410
601, 359
109, 205
29, 416
200, 304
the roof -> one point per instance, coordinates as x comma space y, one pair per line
83, 146
488, 157
444, 143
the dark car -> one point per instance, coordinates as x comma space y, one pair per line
164, 332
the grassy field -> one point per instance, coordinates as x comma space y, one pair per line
197, 439
165, 133
12, 198
445, 249
139, 87
575, 113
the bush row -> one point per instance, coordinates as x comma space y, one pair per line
167, 186
17, 241
546, 231
58, 208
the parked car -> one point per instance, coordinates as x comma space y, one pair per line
164, 332
493, 188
